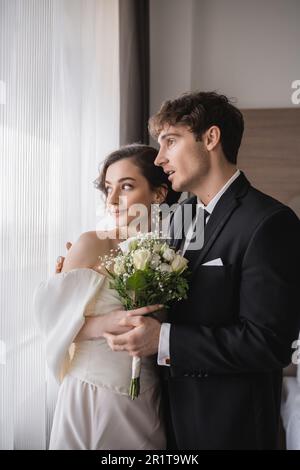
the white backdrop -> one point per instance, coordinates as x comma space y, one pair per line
59, 116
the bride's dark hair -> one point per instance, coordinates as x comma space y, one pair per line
143, 157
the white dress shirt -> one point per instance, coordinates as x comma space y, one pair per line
163, 356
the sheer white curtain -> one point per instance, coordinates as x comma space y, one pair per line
59, 116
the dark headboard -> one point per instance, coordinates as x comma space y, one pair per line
270, 153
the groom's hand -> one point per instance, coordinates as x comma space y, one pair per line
143, 339
60, 260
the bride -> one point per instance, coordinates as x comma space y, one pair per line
76, 307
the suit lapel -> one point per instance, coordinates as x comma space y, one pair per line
212, 231
220, 216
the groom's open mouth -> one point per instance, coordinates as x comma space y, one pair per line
170, 173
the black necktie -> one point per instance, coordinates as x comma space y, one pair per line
206, 215
200, 212
198, 228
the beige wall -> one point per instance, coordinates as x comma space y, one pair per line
245, 49
170, 49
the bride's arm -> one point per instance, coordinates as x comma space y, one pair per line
94, 327
84, 254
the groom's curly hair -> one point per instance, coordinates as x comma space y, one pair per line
199, 111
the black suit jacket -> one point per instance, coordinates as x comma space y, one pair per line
233, 335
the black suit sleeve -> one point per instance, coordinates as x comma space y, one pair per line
269, 315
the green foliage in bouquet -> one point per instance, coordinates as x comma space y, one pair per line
148, 272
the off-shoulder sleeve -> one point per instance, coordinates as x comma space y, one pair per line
59, 305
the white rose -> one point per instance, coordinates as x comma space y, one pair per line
157, 247
179, 263
168, 254
119, 267
141, 258
128, 245
165, 268
155, 261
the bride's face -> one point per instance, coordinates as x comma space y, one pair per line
126, 188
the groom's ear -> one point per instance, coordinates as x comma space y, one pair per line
212, 138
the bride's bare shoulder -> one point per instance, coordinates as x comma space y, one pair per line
98, 240
85, 252
91, 237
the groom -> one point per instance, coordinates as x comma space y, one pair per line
223, 349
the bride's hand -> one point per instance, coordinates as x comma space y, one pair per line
60, 260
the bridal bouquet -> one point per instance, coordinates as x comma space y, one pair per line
146, 271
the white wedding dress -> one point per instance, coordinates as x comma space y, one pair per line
94, 410
290, 411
